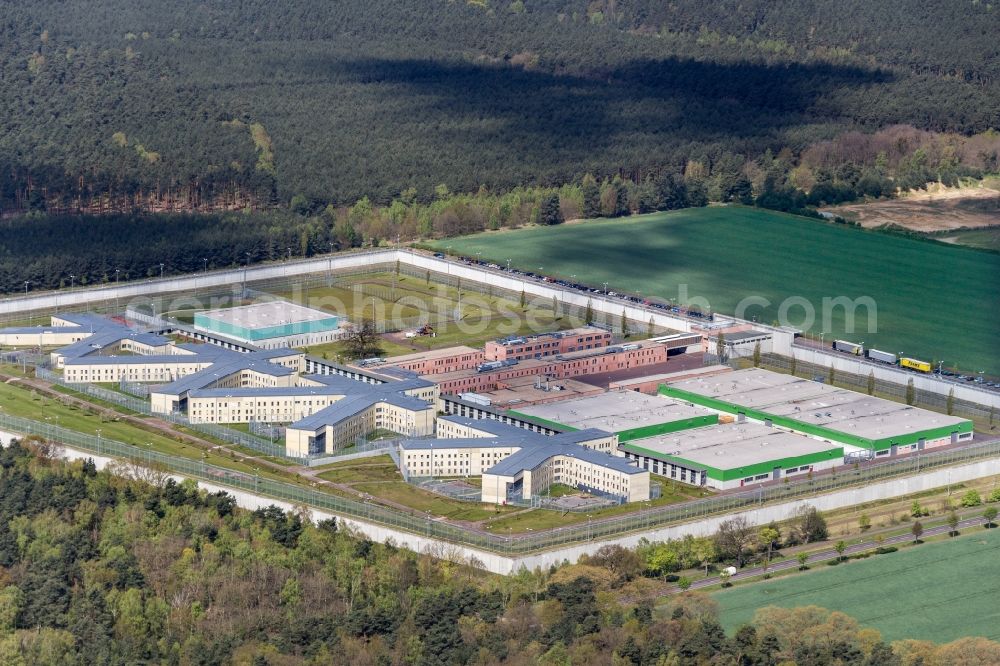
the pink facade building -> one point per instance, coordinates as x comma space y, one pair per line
491, 375
543, 345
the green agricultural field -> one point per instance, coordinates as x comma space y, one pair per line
986, 239
933, 301
939, 591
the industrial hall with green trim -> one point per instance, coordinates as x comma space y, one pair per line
751, 426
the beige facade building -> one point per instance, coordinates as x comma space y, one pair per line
514, 463
219, 382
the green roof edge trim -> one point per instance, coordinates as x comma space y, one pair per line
741, 472
545, 422
818, 431
663, 428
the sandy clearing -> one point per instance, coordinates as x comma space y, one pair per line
940, 209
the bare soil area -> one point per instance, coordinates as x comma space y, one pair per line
939, 209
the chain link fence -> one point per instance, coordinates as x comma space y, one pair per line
134, 388
425, 525
141, 406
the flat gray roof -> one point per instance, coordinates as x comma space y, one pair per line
815, 403
614, 411
744, 335
432, 354
731, 445
262, 315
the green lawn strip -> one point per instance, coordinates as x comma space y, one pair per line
560, 490
790, 256
425, 501
380, 434
332, 351
378, 468
540, 519
116, 387
18, 401
242, 427
475, 332
15, 370
274, 460
94, 401
937, 591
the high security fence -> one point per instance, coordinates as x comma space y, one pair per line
859, 382
140, 406
643, 518
263, 438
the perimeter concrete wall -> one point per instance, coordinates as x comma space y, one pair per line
859, 366
503, 564
782, 339
492, 562
778, 512
189, 283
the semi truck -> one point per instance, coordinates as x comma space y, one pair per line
848, 347
914, 364
882, 357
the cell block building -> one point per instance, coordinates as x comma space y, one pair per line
514, 463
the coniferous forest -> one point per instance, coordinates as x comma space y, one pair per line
210, 105
304, 126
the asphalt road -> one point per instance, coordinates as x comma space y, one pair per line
830, 553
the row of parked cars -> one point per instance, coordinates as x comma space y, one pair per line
979, 380
666, 307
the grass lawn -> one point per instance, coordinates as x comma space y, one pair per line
725, 254
332, 350
938, 591
65, 390
378, 468
113, 386
476, 331
380, 434
483, 316
561, 490
18, 401
541, 519
432, 503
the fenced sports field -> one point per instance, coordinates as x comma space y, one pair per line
937, 591
934, 301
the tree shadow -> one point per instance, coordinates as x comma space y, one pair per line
646, 98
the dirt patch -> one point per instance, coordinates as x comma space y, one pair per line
940, 209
